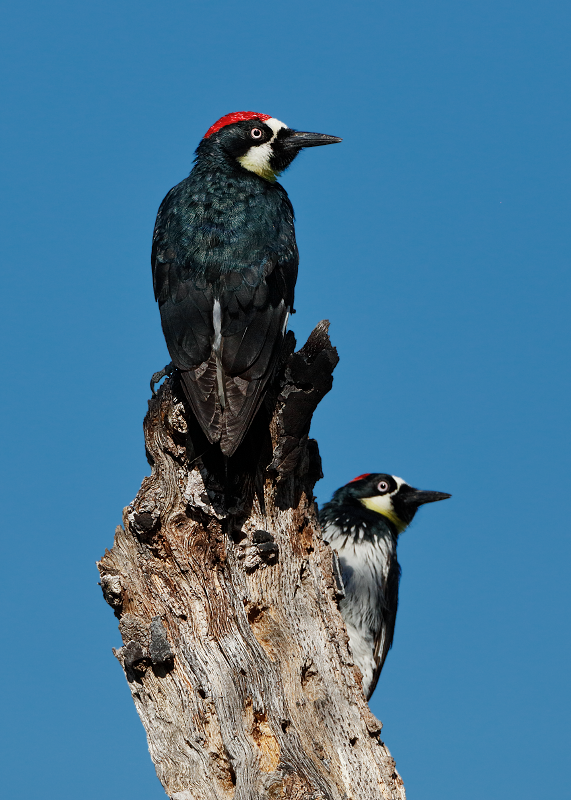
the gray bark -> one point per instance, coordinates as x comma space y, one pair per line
234, 650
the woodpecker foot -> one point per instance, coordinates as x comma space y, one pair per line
158, 376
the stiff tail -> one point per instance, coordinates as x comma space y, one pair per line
223, 405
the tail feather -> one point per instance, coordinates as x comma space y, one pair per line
200, 387
244, 399
226, 424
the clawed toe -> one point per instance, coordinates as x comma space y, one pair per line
163, 373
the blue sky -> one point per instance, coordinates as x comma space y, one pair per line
435, 238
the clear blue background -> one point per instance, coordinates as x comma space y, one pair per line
435, 239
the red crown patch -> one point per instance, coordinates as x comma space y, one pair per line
360, 477
236, 116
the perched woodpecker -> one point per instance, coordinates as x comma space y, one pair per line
362, 522
225, 264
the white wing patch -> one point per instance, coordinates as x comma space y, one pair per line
217, 347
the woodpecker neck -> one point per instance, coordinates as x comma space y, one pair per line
257, 160
217, 173
210, 158
355, 520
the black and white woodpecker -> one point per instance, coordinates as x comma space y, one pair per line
225, 264
362, 522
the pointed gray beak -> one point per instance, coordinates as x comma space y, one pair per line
418, 498
298, 139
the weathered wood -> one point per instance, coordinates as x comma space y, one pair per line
234, 649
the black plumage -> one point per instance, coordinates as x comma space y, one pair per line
225, 263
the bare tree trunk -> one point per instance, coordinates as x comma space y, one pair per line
234, 649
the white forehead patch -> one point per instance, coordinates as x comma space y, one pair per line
275, 125
257, 159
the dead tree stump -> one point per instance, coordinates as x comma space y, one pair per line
234, 649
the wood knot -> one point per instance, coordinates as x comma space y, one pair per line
259, 551
112, 589
133, 659
159, 648
145, 523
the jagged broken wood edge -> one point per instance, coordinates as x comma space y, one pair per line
234, 649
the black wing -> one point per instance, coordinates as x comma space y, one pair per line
384, 638
224, 330
225, 390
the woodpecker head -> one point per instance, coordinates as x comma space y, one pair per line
258, 142
386, 495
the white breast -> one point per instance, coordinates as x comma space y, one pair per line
365, 567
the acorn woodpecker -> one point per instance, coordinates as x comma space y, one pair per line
225, 264
362, 523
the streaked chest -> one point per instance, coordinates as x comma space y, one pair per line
365, 560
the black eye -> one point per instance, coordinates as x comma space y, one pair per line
383, 486
256, 133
